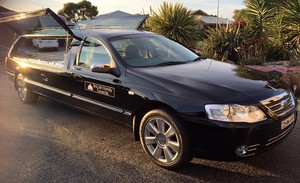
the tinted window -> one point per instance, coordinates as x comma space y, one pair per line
93, 52
40, 50
141, 50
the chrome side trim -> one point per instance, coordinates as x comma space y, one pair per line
98, 103
57, 90
10, 73
253, 147
127, 113
247, 155
113, 108
280, 136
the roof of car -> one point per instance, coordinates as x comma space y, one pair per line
107, 33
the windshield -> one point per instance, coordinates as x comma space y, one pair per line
152, 50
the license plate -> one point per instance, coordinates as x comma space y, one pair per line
287, 122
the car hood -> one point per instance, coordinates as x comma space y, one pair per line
219, 81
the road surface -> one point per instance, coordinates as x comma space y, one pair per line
49, 142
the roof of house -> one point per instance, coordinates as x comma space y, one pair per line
211, 19
115, 14
199, 12
215, 20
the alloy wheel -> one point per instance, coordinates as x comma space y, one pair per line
161, 140
21, 88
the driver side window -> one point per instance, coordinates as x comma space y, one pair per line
93, 52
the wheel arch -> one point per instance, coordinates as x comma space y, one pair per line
142, 111
16, 76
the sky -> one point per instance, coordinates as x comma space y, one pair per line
130, 6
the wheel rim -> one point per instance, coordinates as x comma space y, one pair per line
21, 87
161, 140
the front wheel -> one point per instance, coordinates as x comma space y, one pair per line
164, 139
25, 94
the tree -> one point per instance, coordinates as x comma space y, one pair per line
272, 31
291, 21
75, 12
240, 18
176, 22
239, 14
260, 15
223, 43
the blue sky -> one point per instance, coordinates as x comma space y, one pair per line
131, 6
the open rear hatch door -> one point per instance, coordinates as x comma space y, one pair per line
109, 21
40, 23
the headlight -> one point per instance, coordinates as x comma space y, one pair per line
234, 113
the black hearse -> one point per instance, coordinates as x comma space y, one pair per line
174, 100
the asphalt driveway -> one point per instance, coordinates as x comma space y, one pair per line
49, 142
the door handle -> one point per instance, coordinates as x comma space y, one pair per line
78, 78
44, 77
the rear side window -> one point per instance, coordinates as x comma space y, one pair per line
40, 50
93, 52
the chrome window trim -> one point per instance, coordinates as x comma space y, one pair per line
76, 63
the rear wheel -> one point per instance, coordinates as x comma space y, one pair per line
164, 139
25, 94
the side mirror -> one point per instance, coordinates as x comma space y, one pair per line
102, 68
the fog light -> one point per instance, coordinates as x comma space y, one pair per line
241, 150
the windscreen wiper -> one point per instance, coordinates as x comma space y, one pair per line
199, 58
170, 63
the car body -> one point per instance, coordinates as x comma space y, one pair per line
174, 100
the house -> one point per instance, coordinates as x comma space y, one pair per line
210, 20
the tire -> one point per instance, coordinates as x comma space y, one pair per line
164, 139
25, 94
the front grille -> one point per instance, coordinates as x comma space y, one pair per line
280, 104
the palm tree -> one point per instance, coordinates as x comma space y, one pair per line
280, 46
223, 43
176, 22
259, 15
291, 11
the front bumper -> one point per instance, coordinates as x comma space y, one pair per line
225, 139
